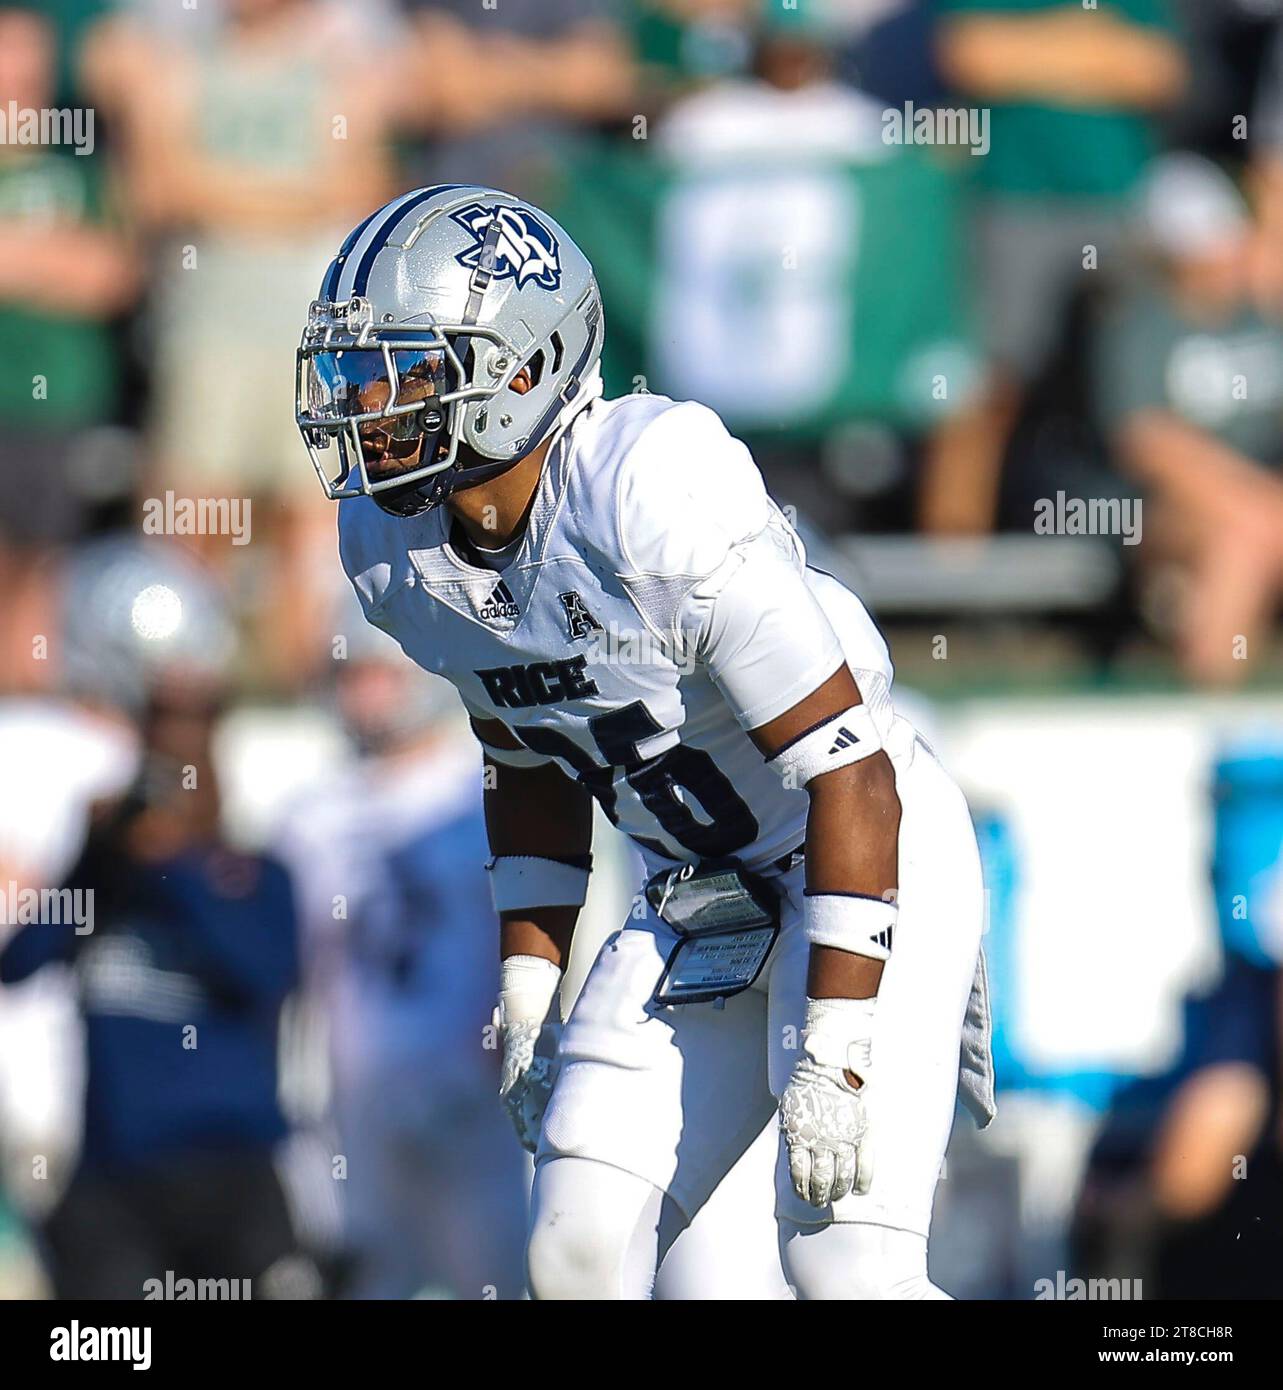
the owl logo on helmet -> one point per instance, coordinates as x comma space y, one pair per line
525, 251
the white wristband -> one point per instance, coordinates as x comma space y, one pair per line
528, 986
849, 922
844, 739
528, 880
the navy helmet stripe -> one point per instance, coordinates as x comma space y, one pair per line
331, 285
381, 219
380, 237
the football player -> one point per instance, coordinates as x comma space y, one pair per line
629, 617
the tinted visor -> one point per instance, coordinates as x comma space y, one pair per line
398, 392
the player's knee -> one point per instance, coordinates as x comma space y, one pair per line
856, 1262
570, 1257
592, 1233
890, 1285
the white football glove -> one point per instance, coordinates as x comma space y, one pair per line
529, 1018
823, 1117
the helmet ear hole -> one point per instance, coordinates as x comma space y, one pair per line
535, 368
558, 352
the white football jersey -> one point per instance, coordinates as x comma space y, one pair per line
658, 605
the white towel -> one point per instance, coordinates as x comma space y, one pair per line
975, 1071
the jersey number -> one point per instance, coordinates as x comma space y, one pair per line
655, 780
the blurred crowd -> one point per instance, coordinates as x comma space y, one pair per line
985, 251
240, 1042
993, 250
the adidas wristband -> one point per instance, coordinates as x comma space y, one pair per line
837, 742
850, 922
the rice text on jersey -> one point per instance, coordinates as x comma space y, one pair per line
540, 683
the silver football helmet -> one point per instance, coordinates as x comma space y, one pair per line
136, 614
432, 307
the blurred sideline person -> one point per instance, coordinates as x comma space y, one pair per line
1074, 95
1186, 1176
1190, 385
246, 148
60, 756
184, 955
399, 957
781, 136
66, 269
1265, 131
629, 618
790, 104
496, 93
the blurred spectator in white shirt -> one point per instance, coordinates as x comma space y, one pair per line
251, 144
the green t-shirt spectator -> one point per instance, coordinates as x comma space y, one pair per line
72, 20
682, 49
1225, 379
1046, 151
73, 355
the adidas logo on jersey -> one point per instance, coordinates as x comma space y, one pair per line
500, 604
579, 621
845, 739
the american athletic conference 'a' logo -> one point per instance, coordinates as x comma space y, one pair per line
525, 251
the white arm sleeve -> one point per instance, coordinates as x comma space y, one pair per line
711, 558
763, 636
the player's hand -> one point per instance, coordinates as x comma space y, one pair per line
529, 1073
823, 1115
529, 1021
